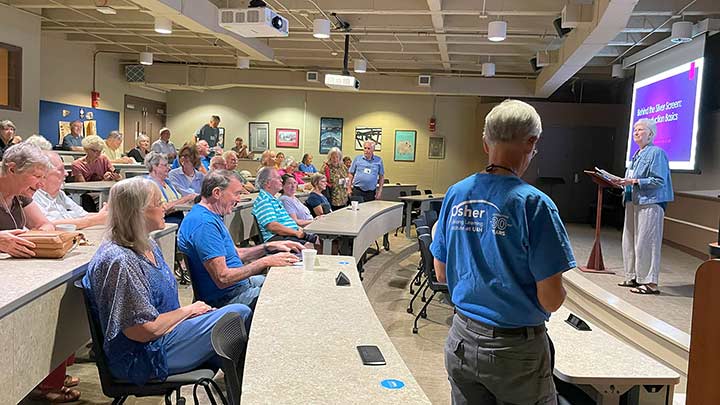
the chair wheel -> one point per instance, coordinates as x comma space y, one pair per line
409, 310
415, 330
423, 315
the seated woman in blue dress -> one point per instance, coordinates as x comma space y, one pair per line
316, 201
133, 294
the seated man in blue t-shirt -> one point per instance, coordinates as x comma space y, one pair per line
222, 273
501, 247
273, 219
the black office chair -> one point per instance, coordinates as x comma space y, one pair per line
417, 280
414, 213
435, 206
429, 217
229, 339
386, 181
119, 390
427, 191
182, 258
429, 270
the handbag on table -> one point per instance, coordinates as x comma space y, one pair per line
53, 244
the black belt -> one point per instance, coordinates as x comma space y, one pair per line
493, 331
364, 191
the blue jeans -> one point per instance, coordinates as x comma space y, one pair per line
188, 346
246, 293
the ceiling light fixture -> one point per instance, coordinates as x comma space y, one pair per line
360, 65
334, 53
497, 31
243, 63
321, 28
163, 25
146, 58
681, 32
488, 69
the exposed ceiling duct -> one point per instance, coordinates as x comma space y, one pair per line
584, 42
202, 16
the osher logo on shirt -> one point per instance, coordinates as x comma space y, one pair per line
475, 215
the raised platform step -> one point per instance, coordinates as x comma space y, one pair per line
658, 339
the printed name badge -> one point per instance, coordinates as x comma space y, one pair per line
392, 384
367, 170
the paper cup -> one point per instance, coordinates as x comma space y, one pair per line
308, 256
66, 227
354, 205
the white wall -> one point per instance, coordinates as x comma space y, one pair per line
23, 29
67, 76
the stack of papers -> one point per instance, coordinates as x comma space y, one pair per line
607, 175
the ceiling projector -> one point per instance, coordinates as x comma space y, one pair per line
342, 82
255, 22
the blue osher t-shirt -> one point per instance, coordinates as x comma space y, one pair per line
498, 236
201, 237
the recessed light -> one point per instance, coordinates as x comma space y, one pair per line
334, 53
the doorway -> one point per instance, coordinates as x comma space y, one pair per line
142, 117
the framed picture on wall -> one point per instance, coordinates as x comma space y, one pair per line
331, 131
63, 129
258, 133
363, 134
405, 145
287, 138
436, 149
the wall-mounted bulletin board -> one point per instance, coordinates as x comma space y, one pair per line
56, 116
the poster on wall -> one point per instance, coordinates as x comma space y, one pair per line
63, 129
258, 135
436, 149
90, 127
405, 145
363, 134
331, 130
287, 138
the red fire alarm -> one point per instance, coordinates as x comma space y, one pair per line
431, 125
95, 97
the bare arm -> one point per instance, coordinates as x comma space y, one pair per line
551, 293
36, 219
318, 210
77, 148
302, 222
440, 271
224, 277
252, 253
164, 323
381, 181
350, 182
79, 178
87, 221
278, 229
184, 200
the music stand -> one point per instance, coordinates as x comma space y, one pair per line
595, 263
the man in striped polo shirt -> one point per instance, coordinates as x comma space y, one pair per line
273, 220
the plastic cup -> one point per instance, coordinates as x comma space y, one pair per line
308, 256
66, 227
354, 205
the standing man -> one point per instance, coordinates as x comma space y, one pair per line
73, 140
209, 132
164, 145
367, 174
501, 247
7, 136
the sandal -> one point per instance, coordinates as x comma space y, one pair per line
631, 283
56, 396
645, 290
71, 381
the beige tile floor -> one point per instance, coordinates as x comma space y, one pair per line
386, 280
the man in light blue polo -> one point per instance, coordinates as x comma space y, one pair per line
501, 247
273, 220
366, 174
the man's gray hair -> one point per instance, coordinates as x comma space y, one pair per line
649, 125
115, 135
25, 156
217, 179
40, 142
263, 177
93, 142
512, 121
5, 124
153, 159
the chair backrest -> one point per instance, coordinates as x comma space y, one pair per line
415, 192
98, 338
430, 218
386, 181
229, 339
435, 206
427, 191
403, 194
182, 258
427, 257
419, 223
423, 230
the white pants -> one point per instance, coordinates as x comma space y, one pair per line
642, 242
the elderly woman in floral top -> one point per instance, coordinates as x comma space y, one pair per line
336, 174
